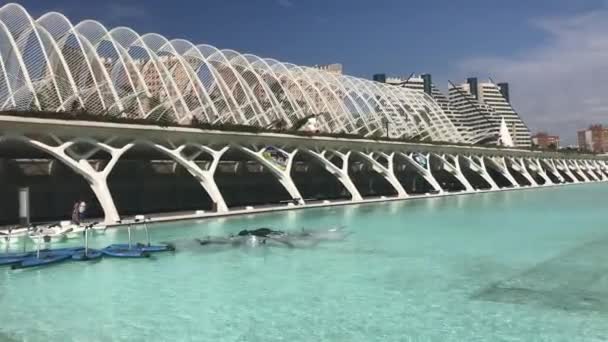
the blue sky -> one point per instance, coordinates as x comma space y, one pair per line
553, 52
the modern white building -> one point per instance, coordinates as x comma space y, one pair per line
492, 102
475, 109
51, 64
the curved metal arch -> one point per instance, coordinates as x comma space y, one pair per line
64, 34
241, 60
32, 26
220, 57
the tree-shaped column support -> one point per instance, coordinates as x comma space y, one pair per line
206, 178
535, 166
576, 168
585, 166
478, 165
281, 172
500, 165
518, 165
598, 170
387, 172
79, 163
423, 170
550, 166
453, 168
563, 166
341, 173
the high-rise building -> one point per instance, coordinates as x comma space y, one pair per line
594, 139
545, 141
475, 108
480, 121
491, 101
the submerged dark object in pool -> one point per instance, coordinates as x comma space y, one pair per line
118, 252
91, 254
270, 237
43, 260
146, 248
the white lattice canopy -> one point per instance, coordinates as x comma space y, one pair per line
49, 64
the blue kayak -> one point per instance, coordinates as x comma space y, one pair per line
44, 260
15, 255
10, 262
67, 250
145, 248
116, 251
91, 254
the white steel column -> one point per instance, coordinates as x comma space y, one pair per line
455, 170
534, 165
591, 170
501, 166
340, 172
204, 177
387, 172
574, 166
520, 166
283, 174
479, 167
550, 165
97, 179
563, 166
598, 169
425, 172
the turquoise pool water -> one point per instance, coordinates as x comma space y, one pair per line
513, 266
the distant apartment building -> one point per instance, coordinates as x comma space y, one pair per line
492, 102
476, 109
545, 141
594, 139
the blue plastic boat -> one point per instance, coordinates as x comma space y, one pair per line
91, 254
15, 255
10, 262
116, 251
145, 248
67, 250
44, 260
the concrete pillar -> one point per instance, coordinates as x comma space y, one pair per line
500, 165
477, 165
97, 179
341, 173
424, 171
387, 172
565, 167
283, 174
550, 165
519, 166
455, 170
204, 177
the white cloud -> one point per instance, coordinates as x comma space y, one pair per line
562, 84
